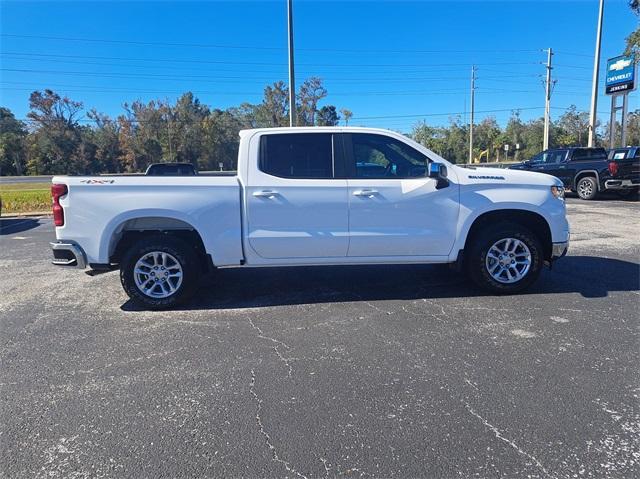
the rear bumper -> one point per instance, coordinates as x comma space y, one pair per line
621, 184
66, 253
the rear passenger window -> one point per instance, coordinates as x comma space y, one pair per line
619, 154
589, 154
297, 155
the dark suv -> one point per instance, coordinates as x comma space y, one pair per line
583, 170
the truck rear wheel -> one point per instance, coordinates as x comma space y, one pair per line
505, 258
159, 272
587, 188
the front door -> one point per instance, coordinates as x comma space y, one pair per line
394, 207
557, 166
295, 206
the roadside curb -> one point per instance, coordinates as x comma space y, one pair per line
28, 214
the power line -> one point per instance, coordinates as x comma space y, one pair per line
352, 93
369, 78
261, 47
209, 78
580, 67
441, 114
586, 55
227, 62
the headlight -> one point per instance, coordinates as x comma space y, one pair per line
557, 192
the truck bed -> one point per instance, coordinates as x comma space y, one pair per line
97, 208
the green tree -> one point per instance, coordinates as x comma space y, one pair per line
13, 134
514, 134
573, 128
487, 136
274, 109
327, 116
52, 148
346, 114
633, 128
105, 137
432, 137
310, 93
187, 128
633, 40
221, 140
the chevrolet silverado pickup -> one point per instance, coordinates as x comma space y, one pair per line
311, 196
624, 170
583, 170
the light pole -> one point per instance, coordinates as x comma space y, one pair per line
473, 90
547, 102
594, 86
292, 81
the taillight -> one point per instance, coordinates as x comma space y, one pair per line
613, 168
58, 213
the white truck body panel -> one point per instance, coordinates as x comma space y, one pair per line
256, 219
97, 208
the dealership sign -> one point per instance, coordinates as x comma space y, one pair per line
621, 73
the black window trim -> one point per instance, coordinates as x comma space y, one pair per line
337, 155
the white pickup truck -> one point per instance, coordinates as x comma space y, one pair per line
312, 196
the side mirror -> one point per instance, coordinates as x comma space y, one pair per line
438, 172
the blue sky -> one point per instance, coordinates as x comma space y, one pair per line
392, 63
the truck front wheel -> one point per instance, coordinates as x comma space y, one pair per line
505, 258
159, 271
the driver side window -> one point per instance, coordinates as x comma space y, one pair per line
378, 156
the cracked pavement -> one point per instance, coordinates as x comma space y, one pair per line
368, 371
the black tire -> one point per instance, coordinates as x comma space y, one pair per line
587, 188
476, 259
184, 255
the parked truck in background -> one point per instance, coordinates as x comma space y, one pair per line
589, 171
312, 196
582, 170
624, 170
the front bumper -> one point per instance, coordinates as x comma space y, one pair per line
558, 250
67, 253
621, 184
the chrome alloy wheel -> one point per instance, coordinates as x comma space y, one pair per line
508, 260
158, 274
585, 188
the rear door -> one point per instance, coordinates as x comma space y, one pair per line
296, 204
394, 207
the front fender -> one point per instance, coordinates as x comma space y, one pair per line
480, 200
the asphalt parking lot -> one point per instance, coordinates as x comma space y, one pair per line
404, 371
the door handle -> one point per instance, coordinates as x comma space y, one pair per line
265, 194
366, 192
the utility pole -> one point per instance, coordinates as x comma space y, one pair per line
169, 133
594, 86
547, 101
292, 82
473, 89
